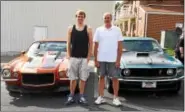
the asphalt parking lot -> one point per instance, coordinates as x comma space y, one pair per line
132, 101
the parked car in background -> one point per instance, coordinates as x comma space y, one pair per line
41, 68
146, 67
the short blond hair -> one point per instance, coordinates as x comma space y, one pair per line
107, 13
80, 12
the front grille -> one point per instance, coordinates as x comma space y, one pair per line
149, 72
38, 79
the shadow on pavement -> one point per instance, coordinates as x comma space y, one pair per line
56, 100
50, 101
153, 100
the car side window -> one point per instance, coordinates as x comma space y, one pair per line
42, 46
155, 46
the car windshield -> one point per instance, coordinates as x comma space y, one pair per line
141, 46
42, 47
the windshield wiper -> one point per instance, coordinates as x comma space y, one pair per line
59, 53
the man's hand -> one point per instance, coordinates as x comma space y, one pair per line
96, 64
117, 64
90, 35
119, 53
182, 55
181, 51
69, 42
88, 59
68, 57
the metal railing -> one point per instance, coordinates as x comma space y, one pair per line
125, 11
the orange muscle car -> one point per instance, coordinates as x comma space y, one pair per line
41, 68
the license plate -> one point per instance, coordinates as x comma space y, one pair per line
149, 84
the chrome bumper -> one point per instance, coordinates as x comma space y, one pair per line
158, 80
64, 79
10, 80
13, 80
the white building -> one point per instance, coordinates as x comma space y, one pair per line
23, 22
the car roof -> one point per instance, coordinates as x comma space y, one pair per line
60, 39
138, 38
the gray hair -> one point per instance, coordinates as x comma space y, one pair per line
107, 13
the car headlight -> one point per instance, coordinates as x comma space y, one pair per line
61, 74
180, 71
6, 73
126, 72
170, 72
15, 74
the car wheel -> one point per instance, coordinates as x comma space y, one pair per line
176, 91
14, 94
108, 85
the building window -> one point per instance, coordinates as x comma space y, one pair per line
40, 32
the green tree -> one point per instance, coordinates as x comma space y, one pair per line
116, 5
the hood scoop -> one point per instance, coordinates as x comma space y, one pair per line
142, 54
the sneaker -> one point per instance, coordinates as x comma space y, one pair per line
100, 100
70, 100
116, 102
82, 100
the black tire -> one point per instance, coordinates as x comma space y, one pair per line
178, 88
14, 94
108, 85
11, 92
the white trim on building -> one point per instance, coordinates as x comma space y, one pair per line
166, 13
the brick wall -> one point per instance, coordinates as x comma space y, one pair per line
158, 22
166, 2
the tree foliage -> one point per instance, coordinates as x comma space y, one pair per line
116, 5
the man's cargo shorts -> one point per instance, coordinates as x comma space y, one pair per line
78, 69
108, 69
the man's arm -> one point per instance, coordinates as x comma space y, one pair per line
96, 44
120, 47
69, 42
181, 50
181, 47
90, 43
120, 50
95, 51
